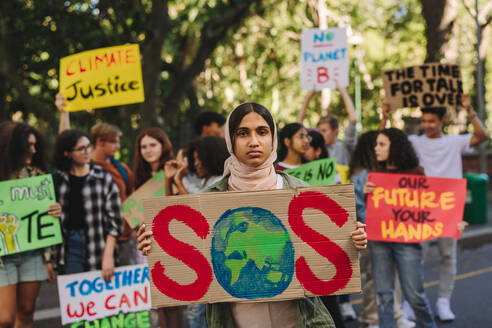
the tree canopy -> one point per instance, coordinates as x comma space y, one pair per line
214, 54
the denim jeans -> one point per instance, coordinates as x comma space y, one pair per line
447, 272
409, 263
369, 314
75, 261
195, 315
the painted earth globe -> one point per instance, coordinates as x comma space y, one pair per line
252, 254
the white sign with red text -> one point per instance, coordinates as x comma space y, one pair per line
87, 297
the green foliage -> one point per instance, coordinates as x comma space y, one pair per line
261, 61
253, 58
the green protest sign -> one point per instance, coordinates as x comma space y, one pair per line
132, 207
128, 320
24, 221
317, 173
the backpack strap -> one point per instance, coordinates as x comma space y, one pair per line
121, 169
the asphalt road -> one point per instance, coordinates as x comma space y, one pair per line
471, 301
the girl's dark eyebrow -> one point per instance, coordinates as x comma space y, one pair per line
258, 127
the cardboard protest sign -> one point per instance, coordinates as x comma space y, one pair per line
429, 85
86, 297
102, 77
414, 208
252, 246
324, 58
132, 207
316, 173
343, 173
24, 221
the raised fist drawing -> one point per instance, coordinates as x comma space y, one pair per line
9, 224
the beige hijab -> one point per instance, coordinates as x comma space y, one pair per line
245, 178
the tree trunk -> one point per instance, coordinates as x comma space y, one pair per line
439, 17
212, 33
158, 26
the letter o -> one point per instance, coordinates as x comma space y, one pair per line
428, 99
97, 286
403, 183
406, 87
81, 287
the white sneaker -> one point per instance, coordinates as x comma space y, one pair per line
347, 311
408, 311
443, 310
373, 326
402, 322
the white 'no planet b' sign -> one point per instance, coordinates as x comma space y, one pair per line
324, 59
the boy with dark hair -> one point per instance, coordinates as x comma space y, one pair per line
439, 111
440, 155
209, 124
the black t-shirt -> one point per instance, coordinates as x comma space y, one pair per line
76, 211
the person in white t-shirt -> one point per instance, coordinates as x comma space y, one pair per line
440, 155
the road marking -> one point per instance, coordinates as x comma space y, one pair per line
461, 276
45, 314
473, 273
436, 282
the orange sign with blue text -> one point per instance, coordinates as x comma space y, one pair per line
102, 77
413, 208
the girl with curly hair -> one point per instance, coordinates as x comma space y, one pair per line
21, 274
395, 154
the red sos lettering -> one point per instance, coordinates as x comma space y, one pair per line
194, 259
323, 245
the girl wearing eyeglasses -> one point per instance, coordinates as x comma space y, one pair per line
91, 208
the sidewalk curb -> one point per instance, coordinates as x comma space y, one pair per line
475, 238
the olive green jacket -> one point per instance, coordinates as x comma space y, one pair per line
311, 312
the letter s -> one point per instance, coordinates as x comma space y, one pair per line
186, 253
438, 229
323, 245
